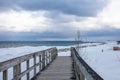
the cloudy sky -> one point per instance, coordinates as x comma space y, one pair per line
59, 19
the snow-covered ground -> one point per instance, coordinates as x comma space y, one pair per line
9, 53
106, 63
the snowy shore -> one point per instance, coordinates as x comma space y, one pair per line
101, 58
104, 60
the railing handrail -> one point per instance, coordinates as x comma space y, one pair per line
45, 58
90, 71
12, 62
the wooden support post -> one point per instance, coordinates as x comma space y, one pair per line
19, 70
16, 71
49, 57
82, 76
46, 58
40, 64
34, 65
27, 67
43, 60
5, 75
53, 56
56, 53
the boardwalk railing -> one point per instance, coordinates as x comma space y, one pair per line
45, 58
81, 69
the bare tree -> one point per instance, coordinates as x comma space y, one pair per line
77, 40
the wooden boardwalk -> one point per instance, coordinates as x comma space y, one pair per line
59, 69
51, 67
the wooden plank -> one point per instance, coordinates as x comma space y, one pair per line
5, 75
60, 69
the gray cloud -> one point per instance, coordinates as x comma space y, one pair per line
105, 33
6, 5
59, 13
73, 7
96, 35
32, 36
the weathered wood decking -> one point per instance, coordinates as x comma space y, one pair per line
60, 69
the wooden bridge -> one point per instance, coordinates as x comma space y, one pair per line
51, 67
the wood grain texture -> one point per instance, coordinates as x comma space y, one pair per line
60, 69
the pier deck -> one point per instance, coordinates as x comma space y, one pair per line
59, 69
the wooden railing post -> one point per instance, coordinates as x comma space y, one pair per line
34, 64
56, 53
40, 63
46, 58
49, 57
27, 67
19, 69
16, 71
5, 75
43, 60
82, 76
